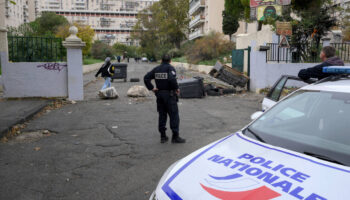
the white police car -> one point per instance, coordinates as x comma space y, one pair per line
298, 149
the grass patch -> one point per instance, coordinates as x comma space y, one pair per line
180, 59
212, 62
89, 61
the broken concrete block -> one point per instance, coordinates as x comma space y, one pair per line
108, 93
138, 91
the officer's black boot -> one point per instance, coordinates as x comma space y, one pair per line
177, 139
163, 137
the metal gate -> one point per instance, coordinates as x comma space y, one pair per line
238, 59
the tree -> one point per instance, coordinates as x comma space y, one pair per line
346, 25
230, 24
311, 21
26, 29
235, 10
101, 50
49, 23
165, 29
85, 33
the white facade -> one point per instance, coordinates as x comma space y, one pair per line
16, 14
206, 16
112, 20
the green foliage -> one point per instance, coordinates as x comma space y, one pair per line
89, 61
130, 51
45, 26
101, 50
49, 23
35, 49
85, 33
165, 30
230, 24
209, 47
346, 25
235, 10
314, 19
26, 29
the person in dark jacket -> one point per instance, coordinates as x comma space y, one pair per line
329, 59
106, 72
166, 91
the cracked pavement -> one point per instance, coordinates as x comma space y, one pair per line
109, 149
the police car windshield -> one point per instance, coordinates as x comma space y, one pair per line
310, 121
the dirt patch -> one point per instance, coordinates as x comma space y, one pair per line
27, 137
16, 130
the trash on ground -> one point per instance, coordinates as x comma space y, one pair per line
213, 90
134, 80
138, 91
108, 93
36, 148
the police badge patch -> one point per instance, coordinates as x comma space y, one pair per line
162, 76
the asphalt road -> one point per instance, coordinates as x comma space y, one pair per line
109, 149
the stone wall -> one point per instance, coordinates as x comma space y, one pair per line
34, 79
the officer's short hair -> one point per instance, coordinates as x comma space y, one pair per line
166, 58
329, 51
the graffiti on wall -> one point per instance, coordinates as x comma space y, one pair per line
53, 66
268, 11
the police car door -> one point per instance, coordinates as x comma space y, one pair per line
284, 86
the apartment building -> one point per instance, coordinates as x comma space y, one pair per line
112, 20
206, 16
16, 14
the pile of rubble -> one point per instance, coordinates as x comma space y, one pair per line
222, 80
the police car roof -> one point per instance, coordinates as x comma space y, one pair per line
339, 85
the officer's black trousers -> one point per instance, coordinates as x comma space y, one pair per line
167, 105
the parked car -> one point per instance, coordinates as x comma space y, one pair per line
297, 149
144, 59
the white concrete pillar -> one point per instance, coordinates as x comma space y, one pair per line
3, 53
326, 42
74, 47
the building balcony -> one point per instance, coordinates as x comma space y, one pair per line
25, 7
196, 34
198, 20
196, 6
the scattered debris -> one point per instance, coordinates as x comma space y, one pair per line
53, 105
213, 90
36, 148
138, 91
180, 70
114, 127
25, 137
108, 93
229, 75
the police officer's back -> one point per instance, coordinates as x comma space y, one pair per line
166, 91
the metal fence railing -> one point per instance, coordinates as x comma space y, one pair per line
35, 49
343, 51
309, 54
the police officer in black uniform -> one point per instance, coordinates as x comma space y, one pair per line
166, 91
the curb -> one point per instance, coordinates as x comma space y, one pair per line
31, 114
